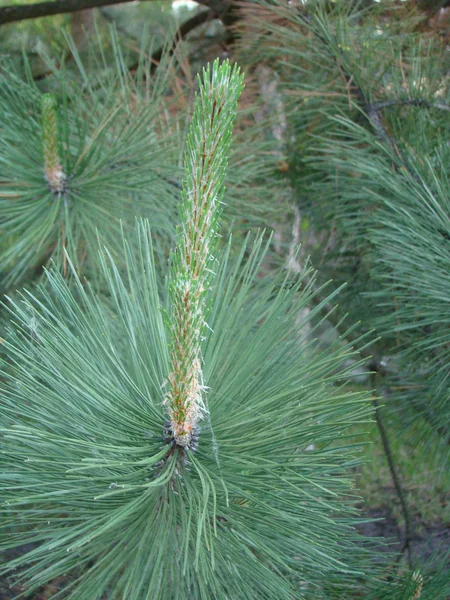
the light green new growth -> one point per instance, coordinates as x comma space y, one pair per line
52, 164
205, 165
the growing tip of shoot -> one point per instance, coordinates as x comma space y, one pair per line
54, 173
206, 159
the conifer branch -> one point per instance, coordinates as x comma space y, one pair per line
52, 164
205, 163
372, 111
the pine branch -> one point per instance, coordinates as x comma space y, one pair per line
371, 111
74, 172
255, 514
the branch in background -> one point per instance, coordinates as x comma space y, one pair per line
189, 25
21, 12
218, 10
392, 468
376, 366
418, 102
9, 14
181, 33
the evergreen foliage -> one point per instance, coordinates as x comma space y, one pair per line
117, 132
179, 415
262, 508
74, 164
369, 145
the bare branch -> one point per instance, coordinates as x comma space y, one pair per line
413, 102
21, 12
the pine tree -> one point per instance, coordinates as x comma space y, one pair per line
171, 427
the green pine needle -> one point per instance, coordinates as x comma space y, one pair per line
90, 480
261, 509
76, 162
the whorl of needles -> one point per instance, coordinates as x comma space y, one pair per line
205, 165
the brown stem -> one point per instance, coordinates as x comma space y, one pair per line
412, 102
376, 367
392, 468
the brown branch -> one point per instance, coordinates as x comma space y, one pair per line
392, 467
20, 12
412, 102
